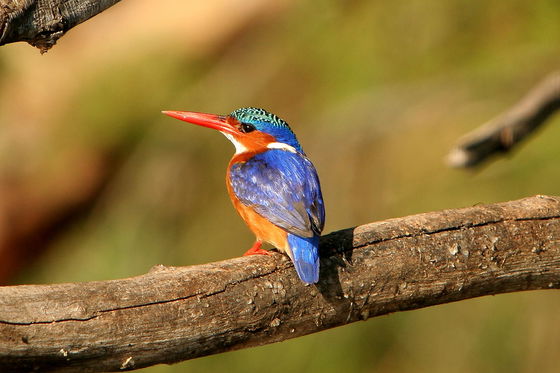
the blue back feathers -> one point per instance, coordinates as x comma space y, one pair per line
284, 188
268, 123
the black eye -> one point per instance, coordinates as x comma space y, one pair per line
246, 128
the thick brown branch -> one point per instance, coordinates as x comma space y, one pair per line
508, 129
173, 314
42, 22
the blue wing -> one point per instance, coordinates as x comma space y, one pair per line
284, 188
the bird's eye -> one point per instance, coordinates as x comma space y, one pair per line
246, 128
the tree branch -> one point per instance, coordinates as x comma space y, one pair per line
508, 129
173, 314
42, 22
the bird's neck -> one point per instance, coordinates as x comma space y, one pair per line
252, 145
249, 153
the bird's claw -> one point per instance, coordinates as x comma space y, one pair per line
256, 250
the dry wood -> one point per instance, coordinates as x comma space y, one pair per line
178, 313
42, 22
502, 133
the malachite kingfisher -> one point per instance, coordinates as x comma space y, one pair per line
272, 184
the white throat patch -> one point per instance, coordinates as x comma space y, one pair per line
239, 147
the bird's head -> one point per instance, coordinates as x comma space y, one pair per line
249, 129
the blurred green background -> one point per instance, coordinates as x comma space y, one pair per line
377, 93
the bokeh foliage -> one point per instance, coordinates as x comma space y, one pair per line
377, 93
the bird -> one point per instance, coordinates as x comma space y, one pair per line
272, 184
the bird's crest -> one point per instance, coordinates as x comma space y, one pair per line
268, 123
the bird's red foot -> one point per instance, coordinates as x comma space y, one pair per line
256, 250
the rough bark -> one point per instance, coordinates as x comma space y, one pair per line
42, 22
502, 133
173, 314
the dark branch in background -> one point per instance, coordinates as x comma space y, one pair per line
42, 22
173, 314
505, 131
32, 218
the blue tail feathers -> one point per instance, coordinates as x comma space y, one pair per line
305, 255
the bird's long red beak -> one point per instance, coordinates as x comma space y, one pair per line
217, 122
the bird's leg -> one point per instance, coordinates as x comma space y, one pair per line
256, 249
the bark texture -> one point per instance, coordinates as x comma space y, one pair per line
178, 313
502, 133
42, 22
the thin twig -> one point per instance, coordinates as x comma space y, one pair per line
502, 133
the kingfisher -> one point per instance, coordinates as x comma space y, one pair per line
272, 184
